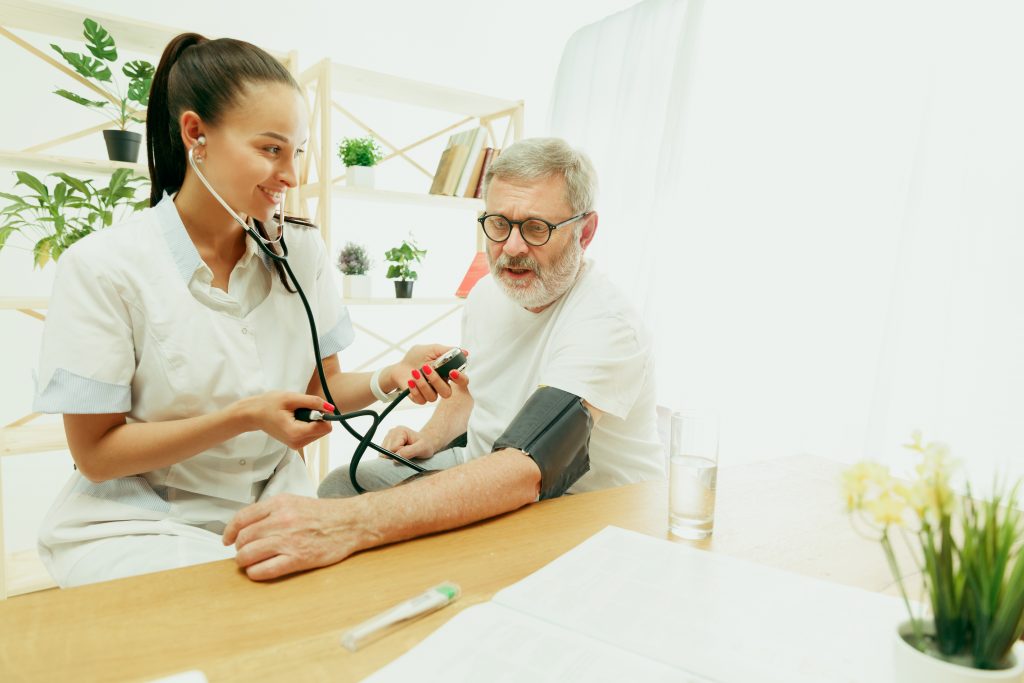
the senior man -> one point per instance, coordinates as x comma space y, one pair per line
562, 396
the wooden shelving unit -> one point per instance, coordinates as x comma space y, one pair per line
66, 163
329, 87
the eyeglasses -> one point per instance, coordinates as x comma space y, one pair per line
535, 231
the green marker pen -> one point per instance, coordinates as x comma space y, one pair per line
425, 603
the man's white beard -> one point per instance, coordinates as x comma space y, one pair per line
547, 285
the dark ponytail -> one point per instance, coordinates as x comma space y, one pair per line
207, 77
163, 142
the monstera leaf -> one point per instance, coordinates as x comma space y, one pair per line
86, 66
102, 49
141, 74
78, 99
138, 69
99, 42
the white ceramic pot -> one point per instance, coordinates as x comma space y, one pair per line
357, 287
359, 176
913, 666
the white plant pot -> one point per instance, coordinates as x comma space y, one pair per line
913, 666
359, 176
357, 287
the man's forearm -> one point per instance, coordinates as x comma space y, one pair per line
481, 488
449, 420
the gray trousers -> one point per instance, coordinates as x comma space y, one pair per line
377, 473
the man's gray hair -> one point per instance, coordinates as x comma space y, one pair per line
537, 158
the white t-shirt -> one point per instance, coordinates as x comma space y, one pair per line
135, 327
589, 343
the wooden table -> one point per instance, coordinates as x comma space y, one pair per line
785, 513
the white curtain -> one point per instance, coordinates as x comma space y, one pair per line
817, 207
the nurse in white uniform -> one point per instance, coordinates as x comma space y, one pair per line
173, 347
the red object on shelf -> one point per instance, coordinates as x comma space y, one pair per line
477, 269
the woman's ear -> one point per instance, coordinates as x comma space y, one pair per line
192, 129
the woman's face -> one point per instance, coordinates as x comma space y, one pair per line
251, 156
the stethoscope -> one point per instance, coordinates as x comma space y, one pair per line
451, 359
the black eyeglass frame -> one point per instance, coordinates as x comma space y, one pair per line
512, 225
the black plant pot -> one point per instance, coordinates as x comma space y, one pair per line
122, 145
403, 289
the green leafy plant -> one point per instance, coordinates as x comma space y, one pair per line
402, 258
353, 260
969, 553
57, 218
359, 151
97, 68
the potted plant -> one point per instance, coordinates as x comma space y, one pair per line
401, 259
122, 144
354, 263
972, 567
359, 155
57, 218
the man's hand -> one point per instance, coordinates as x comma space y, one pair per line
288, 533
414, 372
409, 443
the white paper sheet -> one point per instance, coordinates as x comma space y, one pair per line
623, 604
492, 643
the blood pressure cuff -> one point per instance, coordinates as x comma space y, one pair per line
553, 428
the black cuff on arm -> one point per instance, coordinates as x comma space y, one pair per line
553, 428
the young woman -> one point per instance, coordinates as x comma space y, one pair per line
176, 350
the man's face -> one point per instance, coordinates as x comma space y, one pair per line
534, 277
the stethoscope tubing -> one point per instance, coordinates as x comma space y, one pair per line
365, 440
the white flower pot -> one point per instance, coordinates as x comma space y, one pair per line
357, 287
359, 176
913, 666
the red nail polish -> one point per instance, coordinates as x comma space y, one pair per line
412, 385
426, 370
328, 406
454, 374
415, 374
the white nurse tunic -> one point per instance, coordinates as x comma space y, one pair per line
135, 327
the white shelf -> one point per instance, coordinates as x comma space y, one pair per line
32, 439
65, 21
413, 198
395, 301
14, 303
26, 573
350, 79
64, 163
395, 197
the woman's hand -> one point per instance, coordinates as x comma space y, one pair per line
415, 373
274, 413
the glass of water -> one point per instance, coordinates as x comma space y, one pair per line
693, 471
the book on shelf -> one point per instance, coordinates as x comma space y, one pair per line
448, 169
487, 157
476, 143
477, 269
469, 188
455, 175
